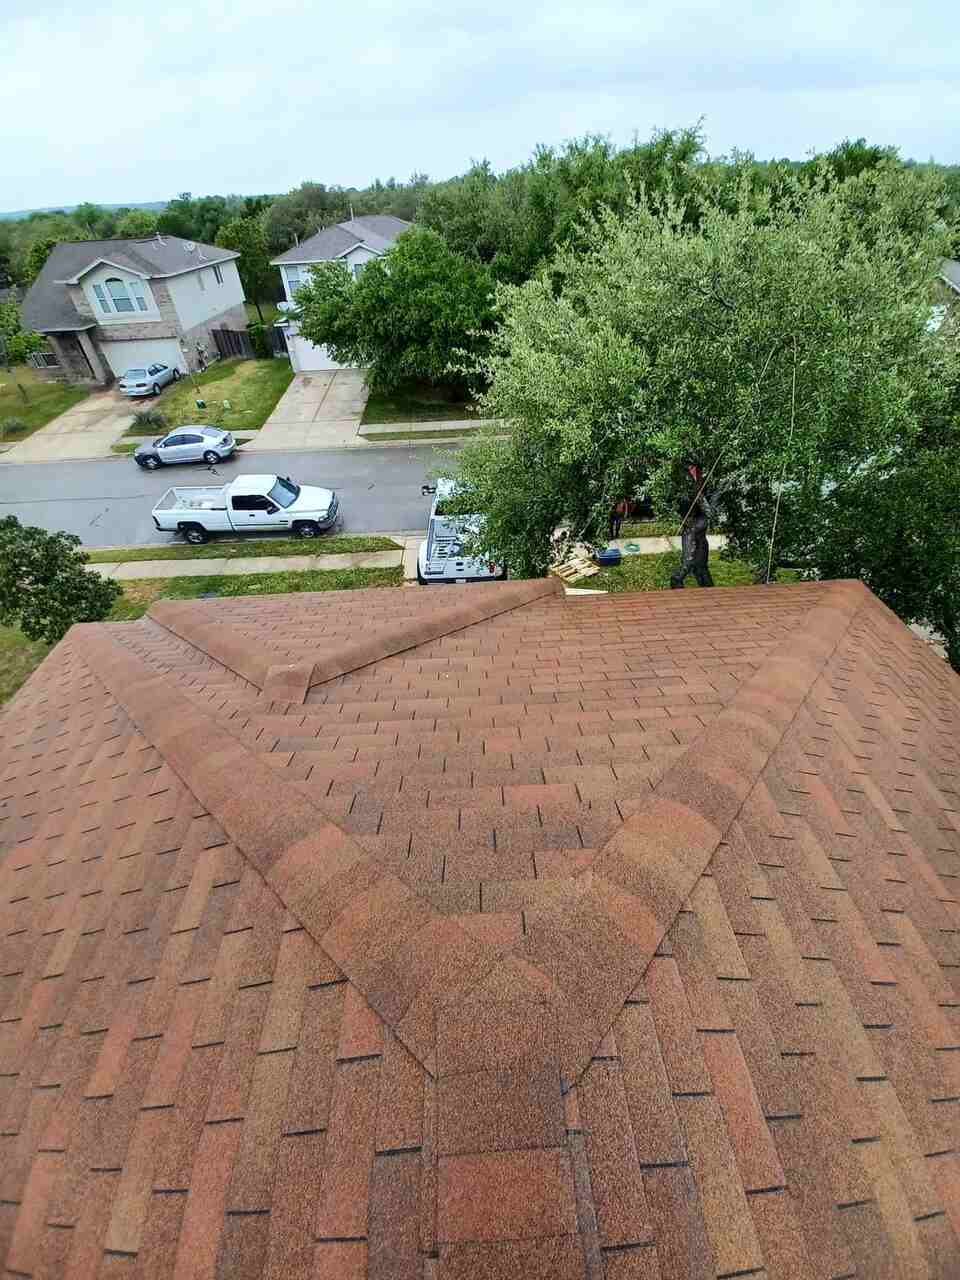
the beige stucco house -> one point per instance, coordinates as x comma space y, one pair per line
108, 305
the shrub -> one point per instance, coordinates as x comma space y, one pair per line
45, 586
260, 341
149, 418
12, 427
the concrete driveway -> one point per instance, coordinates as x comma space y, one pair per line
85, 431
317, 411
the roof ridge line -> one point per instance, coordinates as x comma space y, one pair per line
627, 900
234, 650
392, 944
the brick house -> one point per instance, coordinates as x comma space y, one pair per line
107, 305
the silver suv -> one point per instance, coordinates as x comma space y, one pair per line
186, 444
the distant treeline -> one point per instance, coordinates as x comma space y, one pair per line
510, 221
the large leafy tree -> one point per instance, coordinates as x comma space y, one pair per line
782, 343
407, 315
45, 586
246, 237
136, 223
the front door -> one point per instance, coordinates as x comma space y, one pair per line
256, 511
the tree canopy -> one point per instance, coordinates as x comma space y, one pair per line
246, 237
44, 585
406, 315
782, 343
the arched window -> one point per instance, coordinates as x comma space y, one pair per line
118, 294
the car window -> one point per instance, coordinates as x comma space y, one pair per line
241, 503
175, 440
284, 492
192, 439
132, 374
252, 502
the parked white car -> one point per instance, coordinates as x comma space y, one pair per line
440, 557
249, 504
147, 380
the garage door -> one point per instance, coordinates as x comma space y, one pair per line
307, 358
122, 356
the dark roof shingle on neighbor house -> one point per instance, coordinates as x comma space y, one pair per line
483, 934
48, 306
377, 230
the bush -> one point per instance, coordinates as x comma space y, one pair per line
259, 340
149, 418
45, 586
12, 427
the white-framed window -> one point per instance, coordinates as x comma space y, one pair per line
294, 279
201, 282
44, 360
357, 268
101, 297
217, 273
136, 288
119, 296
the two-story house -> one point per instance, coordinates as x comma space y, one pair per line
108, 305
353, 243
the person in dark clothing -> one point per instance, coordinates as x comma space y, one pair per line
694, 548
617, 517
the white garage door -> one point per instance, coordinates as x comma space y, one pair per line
307, 358
122, 356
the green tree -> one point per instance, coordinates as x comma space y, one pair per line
16, 344
37, 257
44, 585
246, 237
407, 315
136, 223
781, 344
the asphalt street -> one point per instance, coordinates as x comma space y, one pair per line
108, 503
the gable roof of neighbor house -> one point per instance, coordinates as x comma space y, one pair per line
377, 231
950, 272
48, 306
482, 934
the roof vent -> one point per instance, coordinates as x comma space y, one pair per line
189, 246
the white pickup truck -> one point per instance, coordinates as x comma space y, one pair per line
249, 504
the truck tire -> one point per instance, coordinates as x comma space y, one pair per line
307, 529
194, 533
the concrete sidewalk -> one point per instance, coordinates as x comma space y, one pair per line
317, 411
234, 566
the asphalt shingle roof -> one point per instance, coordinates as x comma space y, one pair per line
483, 933
48, 306
376, 230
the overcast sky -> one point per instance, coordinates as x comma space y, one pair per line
128, 102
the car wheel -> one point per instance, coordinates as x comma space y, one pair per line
308, 529
194, 533
151, 463
156, 388
210, 457
176, 375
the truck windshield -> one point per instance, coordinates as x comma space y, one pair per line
284, 492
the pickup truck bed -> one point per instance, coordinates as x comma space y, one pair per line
195, 498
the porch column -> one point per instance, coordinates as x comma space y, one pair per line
100, 373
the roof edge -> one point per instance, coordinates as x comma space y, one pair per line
234, 650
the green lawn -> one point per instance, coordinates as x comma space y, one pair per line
225, 549
140, 593
425, 434
45, 401
652, 528
416, 404
18, 657
652, 573
269, 309
252, 387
